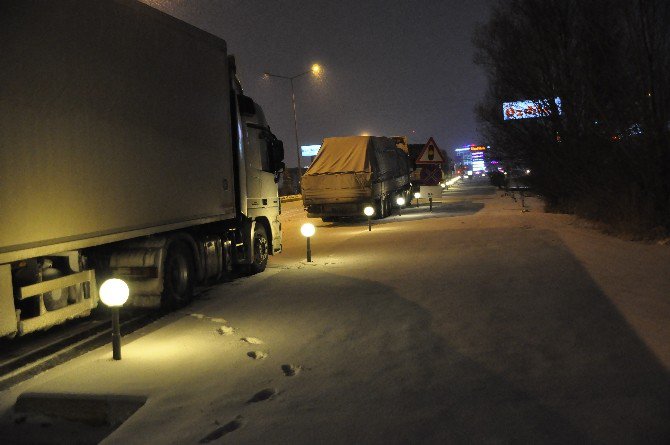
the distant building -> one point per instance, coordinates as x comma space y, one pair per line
471, 158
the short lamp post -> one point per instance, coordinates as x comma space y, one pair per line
417, 195
114, 293
369, 211
307, 231
401, 202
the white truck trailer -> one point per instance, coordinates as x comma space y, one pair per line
127, 149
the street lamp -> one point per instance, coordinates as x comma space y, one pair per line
114, 292
317, 71
369, 211
401, 202
417, 195
307, 231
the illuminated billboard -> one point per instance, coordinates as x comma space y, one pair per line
528, 109
309, 150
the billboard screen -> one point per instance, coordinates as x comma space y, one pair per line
309, 150
528, 109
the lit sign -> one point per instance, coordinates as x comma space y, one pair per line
525, 109
477, 148
309, 150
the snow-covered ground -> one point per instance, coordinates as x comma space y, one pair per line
475, 323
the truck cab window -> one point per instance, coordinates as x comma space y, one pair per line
258, 141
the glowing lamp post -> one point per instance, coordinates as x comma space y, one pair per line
401, 202
114, 292
307, 231
315, 70
369, 211
417, 195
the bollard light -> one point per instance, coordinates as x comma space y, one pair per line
401, 202
369, 211
307, 231
417, 195
114, 293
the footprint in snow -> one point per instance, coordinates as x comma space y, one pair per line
252, 340
225, 330
257, 355
290, 370
223, 430
263, 394
212, 319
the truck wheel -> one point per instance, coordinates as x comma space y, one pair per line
261, 249
178, 277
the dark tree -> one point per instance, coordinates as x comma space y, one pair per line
605, 156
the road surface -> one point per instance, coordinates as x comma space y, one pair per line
474, 323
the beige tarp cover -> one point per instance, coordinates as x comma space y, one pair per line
342, 155
345, 167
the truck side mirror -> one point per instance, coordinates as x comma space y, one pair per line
277, 155
279, 170
246, 104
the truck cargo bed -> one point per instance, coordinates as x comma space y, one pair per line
120, 137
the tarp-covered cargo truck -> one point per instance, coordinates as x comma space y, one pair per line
350, 173
127, 150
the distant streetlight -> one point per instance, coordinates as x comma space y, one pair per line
114, 293
401, 202
317, 71
417, 195
369, 211
307, 231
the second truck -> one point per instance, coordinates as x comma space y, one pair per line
351, 173
127, 149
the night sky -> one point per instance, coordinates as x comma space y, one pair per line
390, 67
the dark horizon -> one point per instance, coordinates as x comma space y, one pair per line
391, 68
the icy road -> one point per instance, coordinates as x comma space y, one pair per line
476, 323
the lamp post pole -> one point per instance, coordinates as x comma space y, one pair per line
295, 125
116, 334
316, 70
114, 292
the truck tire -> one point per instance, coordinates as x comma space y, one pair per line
178, 276
261, 248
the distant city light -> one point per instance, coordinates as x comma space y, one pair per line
309, 150
526, 109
